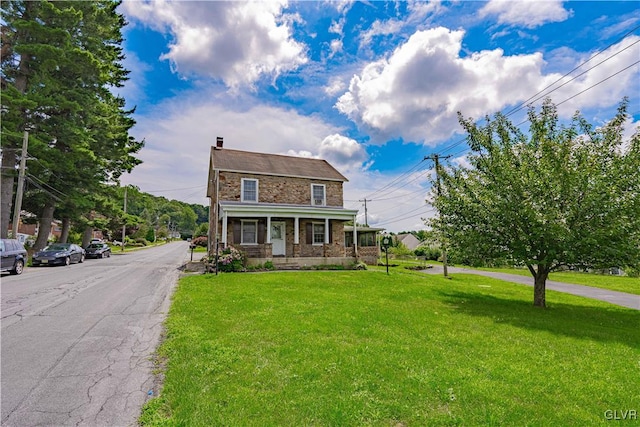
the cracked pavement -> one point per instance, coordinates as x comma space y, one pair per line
77, 341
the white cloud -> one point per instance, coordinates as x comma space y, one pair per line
237, 42
526, 13
179, 135
418, 17
417, 92
335, 86
596, 88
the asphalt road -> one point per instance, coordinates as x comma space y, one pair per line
77, 341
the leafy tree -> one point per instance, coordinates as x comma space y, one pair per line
558, 196
202, 230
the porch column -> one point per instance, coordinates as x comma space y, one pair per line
224, 229
355, 235
326, 230
269, 229
296, 230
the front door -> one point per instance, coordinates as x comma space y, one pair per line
278, 238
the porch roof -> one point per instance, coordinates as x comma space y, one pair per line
241, 209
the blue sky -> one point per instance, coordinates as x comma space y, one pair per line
372, 87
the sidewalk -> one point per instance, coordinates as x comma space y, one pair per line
613, 297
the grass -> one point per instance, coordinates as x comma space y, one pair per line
363, 348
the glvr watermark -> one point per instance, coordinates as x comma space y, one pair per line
621, 414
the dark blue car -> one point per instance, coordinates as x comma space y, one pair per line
58, 254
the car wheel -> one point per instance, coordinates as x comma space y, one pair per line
18, 267
109, 254
81, 259
67, 260
102, 255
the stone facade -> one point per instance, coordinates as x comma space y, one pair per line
279, 189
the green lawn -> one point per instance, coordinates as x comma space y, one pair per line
363, 348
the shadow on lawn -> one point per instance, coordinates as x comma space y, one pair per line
594, 323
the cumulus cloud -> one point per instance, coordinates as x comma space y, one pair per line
236, 42
417, 92
604, 80
526, 13
345, 154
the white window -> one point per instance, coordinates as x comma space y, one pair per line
249, 190
318, 196
318, 233
249, 233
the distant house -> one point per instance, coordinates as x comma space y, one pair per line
409, 240
284, 209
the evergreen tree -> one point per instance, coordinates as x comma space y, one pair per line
63, 61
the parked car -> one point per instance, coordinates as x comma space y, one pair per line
59, 254
98, 250
14, 256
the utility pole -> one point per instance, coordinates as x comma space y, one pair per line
17, 206
366, 221
124, 226
436, 160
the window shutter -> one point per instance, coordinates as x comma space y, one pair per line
309, 233
237, 232
330, 232
262, 228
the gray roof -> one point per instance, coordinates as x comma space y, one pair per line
273, 164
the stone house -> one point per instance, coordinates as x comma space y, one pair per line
284, 209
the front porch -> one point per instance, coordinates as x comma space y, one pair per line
286, 235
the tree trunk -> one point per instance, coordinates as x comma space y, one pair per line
9, 160
66, 225
539, 287
45, 226
87, 235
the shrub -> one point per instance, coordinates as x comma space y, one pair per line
200, 241
230, 259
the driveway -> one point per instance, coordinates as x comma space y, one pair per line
613, 297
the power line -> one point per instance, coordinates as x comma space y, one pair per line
537, 96
563, 101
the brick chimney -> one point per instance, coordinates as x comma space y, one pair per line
219, 142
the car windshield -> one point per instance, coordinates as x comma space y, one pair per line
95, 246
58, 247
